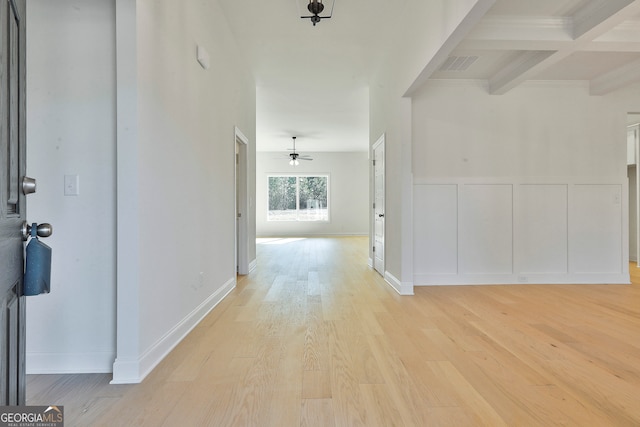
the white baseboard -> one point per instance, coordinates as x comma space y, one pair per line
403, 288
522, 279
126, 372
134, 371
252, 265
69, 363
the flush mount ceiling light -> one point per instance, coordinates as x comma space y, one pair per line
317, 10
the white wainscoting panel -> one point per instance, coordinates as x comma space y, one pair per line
436, 221
542, 229
516, 230
486, 229
596, 230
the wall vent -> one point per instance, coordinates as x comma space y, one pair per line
458, 63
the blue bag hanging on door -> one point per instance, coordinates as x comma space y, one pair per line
37, 275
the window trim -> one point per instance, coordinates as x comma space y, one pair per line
298, 176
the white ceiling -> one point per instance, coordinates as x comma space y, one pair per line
312, 82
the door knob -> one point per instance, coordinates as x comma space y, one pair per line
43, 230
381, 215
28, 185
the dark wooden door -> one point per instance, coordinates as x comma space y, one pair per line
12, 200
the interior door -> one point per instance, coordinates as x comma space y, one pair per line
12, 201
242, 249
379, 206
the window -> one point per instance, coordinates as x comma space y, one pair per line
298, 198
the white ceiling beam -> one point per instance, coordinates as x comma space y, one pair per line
586, 46
616, 79
595, 14
597, 46
554, 33
522, 28
519, 70
627, 31
470, 20
506, 45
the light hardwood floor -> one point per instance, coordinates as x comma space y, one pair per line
314, 337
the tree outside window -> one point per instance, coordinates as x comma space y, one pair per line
298, 198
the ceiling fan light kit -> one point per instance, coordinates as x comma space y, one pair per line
316, 7
295, 157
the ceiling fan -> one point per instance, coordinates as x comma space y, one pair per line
294, 157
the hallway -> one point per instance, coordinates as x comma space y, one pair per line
314, 337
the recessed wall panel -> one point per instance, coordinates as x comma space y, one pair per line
542, 230
486, 229
596, 237
436, 224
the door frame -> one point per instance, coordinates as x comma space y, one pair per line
636, 159
380, 143
240, 150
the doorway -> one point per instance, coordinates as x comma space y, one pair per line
242, 245
378, 205
633, 147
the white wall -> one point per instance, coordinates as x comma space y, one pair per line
425, 30
71, 130
184, 167
432, 190
525, 187
146, 119
348, 193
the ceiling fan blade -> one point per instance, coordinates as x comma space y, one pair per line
305, 158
